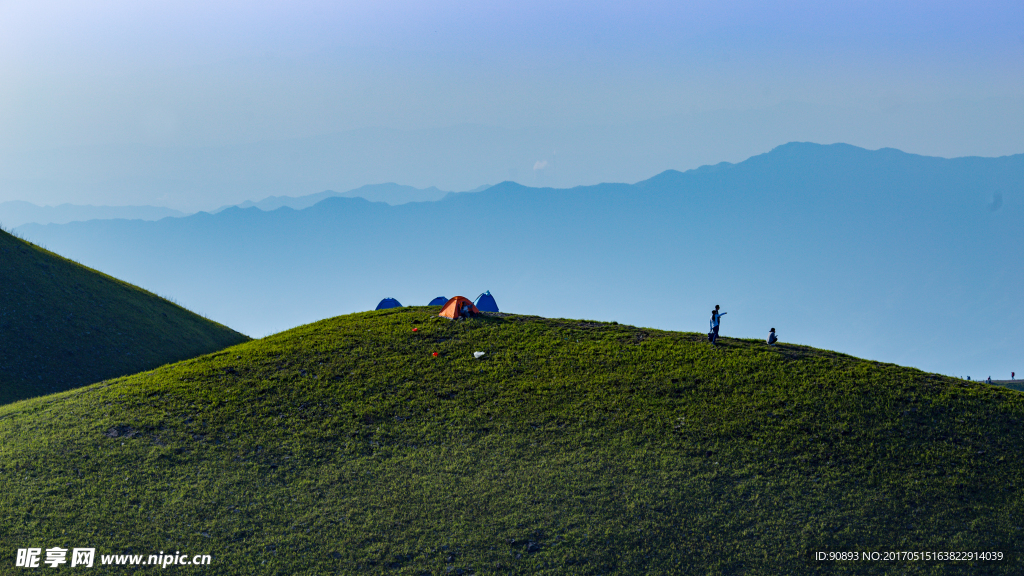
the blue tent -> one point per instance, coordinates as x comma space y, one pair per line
485, 302
439, 301
388, 303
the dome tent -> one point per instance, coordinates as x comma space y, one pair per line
388, 303
439, 301
453, 308
485, 302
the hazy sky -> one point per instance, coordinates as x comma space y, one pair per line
189, 75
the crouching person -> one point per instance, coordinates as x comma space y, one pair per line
772, 338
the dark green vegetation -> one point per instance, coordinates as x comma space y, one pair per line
572, 447
63, 325
1011, 384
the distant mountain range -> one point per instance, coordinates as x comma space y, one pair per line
389, 193
16, 213
882, 254
461, 157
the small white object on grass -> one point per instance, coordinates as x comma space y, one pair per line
478, 354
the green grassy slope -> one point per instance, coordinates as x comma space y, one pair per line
64, 325
572, 447
1017, 385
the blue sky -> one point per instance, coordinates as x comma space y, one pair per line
195, 105
936, 78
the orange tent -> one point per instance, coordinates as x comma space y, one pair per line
453, 308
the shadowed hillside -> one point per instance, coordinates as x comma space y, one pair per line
63, 325
572, 447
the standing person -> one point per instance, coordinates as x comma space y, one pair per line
716, 320
772, 338
1013, 375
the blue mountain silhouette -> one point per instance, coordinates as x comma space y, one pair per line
881, 254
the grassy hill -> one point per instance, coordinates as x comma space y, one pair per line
1011, 384
63, 325
571, 447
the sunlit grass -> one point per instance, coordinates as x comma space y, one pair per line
571, 447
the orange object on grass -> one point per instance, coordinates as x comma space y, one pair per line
453, 308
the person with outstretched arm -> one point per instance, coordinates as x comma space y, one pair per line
715, 323
772, 338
